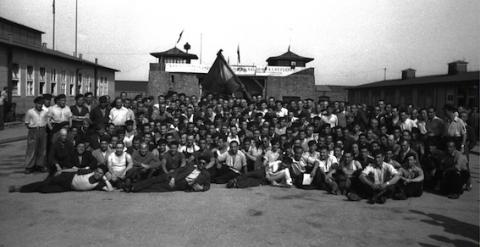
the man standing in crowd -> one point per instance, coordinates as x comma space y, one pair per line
59, 115
36, 122
79, 111
100, 114
119, 114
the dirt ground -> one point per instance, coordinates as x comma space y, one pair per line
262, 216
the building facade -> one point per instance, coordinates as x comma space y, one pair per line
285, 77
458, 87
131, 88
28, 69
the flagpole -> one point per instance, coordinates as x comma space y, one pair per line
76, 26
53, 33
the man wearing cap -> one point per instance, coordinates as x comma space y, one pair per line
59, 115
36, 122
79, 111
99, 115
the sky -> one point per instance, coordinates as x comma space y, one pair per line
351, 41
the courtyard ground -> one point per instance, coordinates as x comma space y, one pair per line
262, 216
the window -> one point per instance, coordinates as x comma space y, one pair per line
53, 88
30, 88
79, 85
72, 84
53, 76
42, 89
63, 82
172, 79
15, 80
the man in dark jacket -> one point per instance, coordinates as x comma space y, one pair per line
99, 114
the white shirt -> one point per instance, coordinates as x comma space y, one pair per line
380, 174
325, 165
58, 114
332, 119
34, 118
118, 164
407, 125
82, 182
234, 162
119, 116
282, 113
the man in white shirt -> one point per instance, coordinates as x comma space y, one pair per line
322, 173
406, 123
36, 122
59, 115
234, 162
378, 181
329, 117
119, 114
119, 163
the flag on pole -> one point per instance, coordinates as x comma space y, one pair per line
238, 53
221, 79
53, 7
180, 36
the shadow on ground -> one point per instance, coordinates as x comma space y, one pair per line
452, 226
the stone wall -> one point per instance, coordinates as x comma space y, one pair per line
160, 82
300, 84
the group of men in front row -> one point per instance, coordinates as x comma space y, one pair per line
168, 147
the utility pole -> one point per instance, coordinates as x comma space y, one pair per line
76, 26
53, 11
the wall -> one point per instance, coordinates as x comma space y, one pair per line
301, 84
160, 82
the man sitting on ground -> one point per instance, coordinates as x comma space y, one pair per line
377, 182
118, 164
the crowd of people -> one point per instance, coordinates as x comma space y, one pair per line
178, 142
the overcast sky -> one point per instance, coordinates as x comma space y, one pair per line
351, 41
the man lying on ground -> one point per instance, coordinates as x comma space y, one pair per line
186, 178
82, 180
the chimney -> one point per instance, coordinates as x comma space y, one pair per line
80, 56
457, 67
96, 60
44, 45
408, 74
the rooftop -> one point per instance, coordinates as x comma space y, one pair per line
20, 25
174, 52
465, 76
55, 53
289, 55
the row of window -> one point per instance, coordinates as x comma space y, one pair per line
53, 83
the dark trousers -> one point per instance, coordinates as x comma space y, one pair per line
404, 190
224, 175
453, 180
139, 173
251, 179
153, 184
55, 184
36, 148
317, 181
2, 117
365, 191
